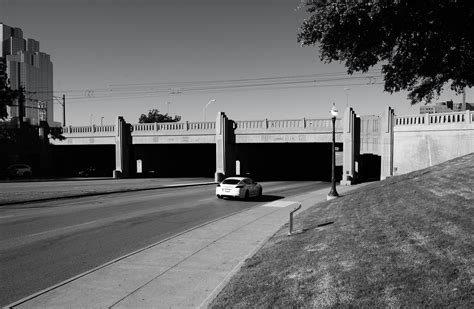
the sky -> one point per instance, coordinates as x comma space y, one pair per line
122, 58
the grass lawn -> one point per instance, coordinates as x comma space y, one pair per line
405, 241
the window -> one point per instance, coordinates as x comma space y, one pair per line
230, 181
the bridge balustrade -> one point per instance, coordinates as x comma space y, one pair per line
174, 126
89, 129
196, 126
302, 125
105, 128
438, 118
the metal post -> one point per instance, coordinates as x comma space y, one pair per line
290, 229
333, 193
64, 110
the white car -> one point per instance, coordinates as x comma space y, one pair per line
240, 187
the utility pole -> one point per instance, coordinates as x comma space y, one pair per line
64, 110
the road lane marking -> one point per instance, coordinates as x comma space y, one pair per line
207, 199
67, 281
71, 227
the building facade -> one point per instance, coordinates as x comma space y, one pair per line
446, 107
28, 67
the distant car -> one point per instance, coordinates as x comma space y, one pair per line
92, 171
19, 170
240, 187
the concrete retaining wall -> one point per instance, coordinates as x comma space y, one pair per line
425, 140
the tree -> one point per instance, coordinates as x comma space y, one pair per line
421, 44
155, 116
7, 95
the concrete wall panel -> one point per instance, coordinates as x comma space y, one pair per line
414, 150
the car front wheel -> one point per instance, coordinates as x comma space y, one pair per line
219, 196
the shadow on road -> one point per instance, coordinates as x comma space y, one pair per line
263, 198
267, 198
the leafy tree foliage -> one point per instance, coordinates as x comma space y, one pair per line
7, 95
155, 116
421, 44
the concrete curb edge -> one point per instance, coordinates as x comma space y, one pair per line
105, 193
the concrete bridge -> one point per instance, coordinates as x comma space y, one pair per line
370, 146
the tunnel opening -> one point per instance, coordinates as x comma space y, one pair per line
369, 167
84, 160
174, 160
287, 161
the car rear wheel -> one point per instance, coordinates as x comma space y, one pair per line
260, 192
219, 196
246, 195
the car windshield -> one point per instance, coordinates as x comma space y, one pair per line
231, 181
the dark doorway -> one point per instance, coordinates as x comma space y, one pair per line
369, 167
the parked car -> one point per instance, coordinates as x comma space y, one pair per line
240, 187
19, 170
93, 171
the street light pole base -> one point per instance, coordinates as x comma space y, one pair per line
331, 197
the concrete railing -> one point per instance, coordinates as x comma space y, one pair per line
201, 125
174, 126
89, 129
286, 124
441, 118
208, 127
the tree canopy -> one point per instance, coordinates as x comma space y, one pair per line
7, 95
155, 116
422, 45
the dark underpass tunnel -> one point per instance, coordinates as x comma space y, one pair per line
174, 160
287, 161
95, 160
369, 167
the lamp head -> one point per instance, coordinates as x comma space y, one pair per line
334, 111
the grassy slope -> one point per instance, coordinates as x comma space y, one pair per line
406, 241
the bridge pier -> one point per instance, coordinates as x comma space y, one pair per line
349, 135
225, 147
387, 139
123, 137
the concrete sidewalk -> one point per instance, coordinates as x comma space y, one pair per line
185, 271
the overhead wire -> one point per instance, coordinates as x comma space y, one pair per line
137, 90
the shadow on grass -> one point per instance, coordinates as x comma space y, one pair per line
305, 229
312, 227
325, 224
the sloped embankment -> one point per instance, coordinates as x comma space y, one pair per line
405, 241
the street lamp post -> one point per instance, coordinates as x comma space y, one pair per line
204, 109
333, 193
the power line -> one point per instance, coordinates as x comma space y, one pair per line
150, 95
169, 86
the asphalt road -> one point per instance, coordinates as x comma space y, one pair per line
42, 244
28, 189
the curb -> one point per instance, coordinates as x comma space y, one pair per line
69, 280
46, 199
